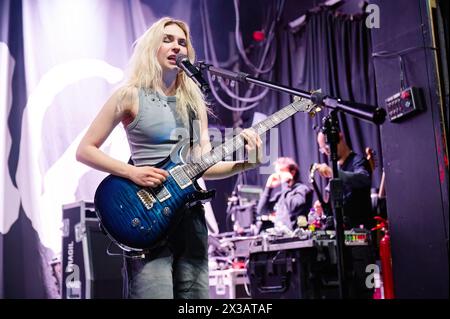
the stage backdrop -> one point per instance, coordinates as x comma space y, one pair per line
59, 62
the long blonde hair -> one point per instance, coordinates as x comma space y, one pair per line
145, 72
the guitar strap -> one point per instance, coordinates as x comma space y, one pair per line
191, 127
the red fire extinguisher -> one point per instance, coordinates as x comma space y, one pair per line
386, 258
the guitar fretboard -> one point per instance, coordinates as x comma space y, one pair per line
229, 147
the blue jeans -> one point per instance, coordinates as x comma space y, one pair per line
178, 268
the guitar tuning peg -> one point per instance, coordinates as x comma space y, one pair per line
213, 77
316, 109
232, 84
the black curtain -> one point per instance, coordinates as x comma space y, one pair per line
331, 52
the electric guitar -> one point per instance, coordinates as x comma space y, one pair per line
137, 218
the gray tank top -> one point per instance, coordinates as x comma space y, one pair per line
156, 129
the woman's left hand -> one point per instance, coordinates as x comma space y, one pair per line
253, 146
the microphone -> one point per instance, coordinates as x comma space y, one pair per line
192, 72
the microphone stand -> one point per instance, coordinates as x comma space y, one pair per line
364, 112
331, 131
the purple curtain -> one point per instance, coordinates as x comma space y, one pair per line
331, 52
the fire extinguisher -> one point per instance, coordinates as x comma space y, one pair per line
385, 257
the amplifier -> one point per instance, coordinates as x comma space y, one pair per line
282, 274
88, 272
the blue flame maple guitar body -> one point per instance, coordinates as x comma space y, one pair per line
135, 217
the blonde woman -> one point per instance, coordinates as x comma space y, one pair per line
154, 101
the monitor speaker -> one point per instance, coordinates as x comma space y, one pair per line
88, 271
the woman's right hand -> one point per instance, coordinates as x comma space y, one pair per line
147, 176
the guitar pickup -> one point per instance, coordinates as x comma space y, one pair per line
162, 193
180, 176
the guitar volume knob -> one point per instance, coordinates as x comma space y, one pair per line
166, 211
135, 222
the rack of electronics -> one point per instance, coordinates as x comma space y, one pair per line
300, 265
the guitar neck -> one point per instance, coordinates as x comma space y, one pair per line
229, 147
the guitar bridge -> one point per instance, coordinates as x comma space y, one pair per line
146, 198
180, 176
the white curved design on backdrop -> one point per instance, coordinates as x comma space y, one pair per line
9, 195
44, 193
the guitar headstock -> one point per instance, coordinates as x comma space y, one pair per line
306, 105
